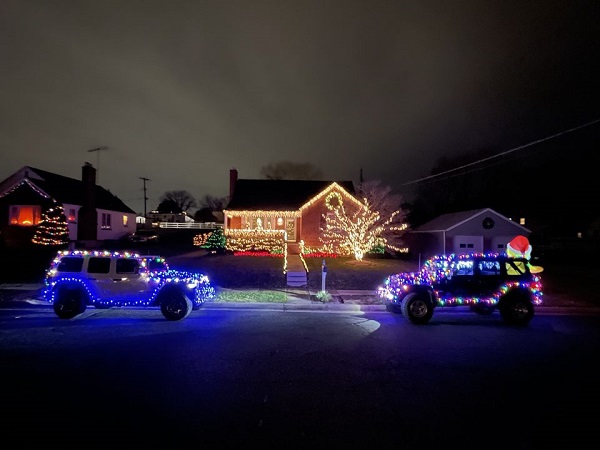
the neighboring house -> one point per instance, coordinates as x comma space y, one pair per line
27, 194
478, 230
295, 206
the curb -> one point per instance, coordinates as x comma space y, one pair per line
295, 302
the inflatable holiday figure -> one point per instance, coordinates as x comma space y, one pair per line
520, 247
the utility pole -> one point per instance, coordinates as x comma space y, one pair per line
145, 198
98, 150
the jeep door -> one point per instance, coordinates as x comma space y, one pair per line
126, 281
462, 282
488, 273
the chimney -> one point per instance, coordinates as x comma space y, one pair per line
88, 177
233, 176
87, 220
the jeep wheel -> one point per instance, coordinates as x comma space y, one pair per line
175, 305
69, 303
516, 308
417, 307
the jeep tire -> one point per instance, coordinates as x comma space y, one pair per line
175, 305
417, 307
69, 303
516, 308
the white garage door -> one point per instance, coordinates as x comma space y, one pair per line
468, 244
499, 243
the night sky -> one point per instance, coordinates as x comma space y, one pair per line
182, 91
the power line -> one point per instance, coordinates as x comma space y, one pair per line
503, 153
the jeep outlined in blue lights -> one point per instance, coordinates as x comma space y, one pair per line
79, 278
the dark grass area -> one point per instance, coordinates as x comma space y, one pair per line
231, 271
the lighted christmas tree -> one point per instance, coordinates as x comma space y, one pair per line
52, 230
216, 241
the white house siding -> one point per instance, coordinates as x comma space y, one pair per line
71, 224
499, 242
501, 233
467, 244
117, 229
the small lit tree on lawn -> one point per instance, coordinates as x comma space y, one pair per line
359, 232
53, 229
216, 241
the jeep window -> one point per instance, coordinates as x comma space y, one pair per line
154, 265
515, 268
99, 265
70, 264
489, 268
464, 268
127, 266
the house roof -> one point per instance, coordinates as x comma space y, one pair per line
447, 222
278, 195
69, 190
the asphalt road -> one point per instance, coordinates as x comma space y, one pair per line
269, 378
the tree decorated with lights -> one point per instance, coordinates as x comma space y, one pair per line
53, 229
359, 232
216, 241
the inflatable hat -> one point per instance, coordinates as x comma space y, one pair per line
519, 246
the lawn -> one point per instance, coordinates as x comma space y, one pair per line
229, 271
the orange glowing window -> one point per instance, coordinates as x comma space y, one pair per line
25, 215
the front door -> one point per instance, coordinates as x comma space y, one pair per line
290, 228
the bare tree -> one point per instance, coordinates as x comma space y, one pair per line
381, 199
379, 223
183, 199
212, 203
287, 170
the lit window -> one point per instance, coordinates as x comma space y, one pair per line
72, 217
522, 221
25, 215
579, 234
125, 219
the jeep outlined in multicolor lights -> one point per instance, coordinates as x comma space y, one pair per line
485, 282
103, 279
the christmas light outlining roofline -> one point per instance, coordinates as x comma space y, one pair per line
30, 184
271, 213
329, 188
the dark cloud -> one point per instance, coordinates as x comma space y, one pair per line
181, 91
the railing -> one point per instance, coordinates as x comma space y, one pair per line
191, 225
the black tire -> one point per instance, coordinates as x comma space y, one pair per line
69, 303
175, 305
483, 309
417, 307
516, 308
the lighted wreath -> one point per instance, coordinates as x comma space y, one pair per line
338, 200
